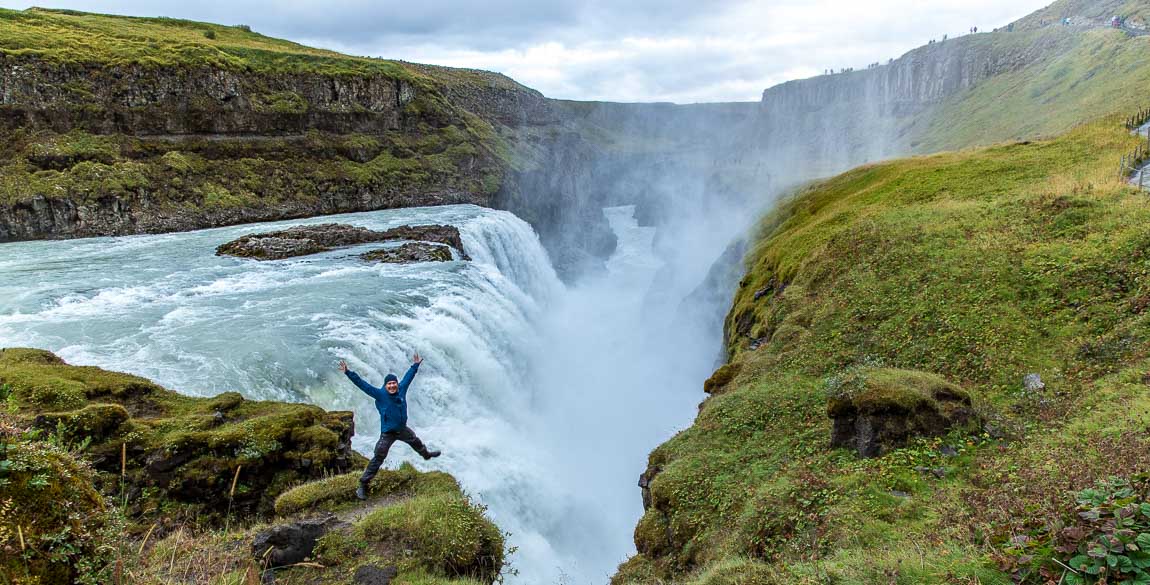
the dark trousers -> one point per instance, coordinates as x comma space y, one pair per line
381, 448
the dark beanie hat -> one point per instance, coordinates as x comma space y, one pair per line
390, 378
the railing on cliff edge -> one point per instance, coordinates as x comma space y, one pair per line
1133, 163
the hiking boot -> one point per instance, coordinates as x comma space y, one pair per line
361, 492
431, 455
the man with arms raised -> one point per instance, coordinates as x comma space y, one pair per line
391, 402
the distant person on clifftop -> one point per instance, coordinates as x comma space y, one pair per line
391, 402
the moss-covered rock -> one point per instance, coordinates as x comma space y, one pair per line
161, 449
876, 410
444, 532
721, 378
336, 493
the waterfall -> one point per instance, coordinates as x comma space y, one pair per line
537, 393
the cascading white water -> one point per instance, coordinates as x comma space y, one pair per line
544, 399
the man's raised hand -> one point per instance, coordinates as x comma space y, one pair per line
343, 366
416, 358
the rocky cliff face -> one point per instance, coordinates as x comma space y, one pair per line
141, 100
830, 123
91, 150
919, 79
115, 125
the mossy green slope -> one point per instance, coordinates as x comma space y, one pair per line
980, 267
202, 176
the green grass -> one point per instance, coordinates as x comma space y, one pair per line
51, 516
445, 532
977, 267
204, 176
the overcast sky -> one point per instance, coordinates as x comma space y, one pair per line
643, 50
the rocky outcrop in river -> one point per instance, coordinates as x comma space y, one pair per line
312, 239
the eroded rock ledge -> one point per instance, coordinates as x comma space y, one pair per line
311, 239
163, 450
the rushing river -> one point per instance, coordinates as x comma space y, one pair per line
544, 398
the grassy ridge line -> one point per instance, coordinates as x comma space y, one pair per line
71, 37
980, 266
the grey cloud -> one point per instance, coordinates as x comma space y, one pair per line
489, 25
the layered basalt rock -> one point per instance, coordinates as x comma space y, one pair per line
312, 239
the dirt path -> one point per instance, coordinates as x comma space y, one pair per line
353, 515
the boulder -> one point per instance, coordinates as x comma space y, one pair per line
288, 544
876, 410
409, 253
303, 240
721, 377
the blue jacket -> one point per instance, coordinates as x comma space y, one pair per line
392, 407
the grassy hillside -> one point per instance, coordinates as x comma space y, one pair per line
978, 267
1099, 72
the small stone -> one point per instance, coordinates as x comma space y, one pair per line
899, 494
948, 451
939, 472
1032, 383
